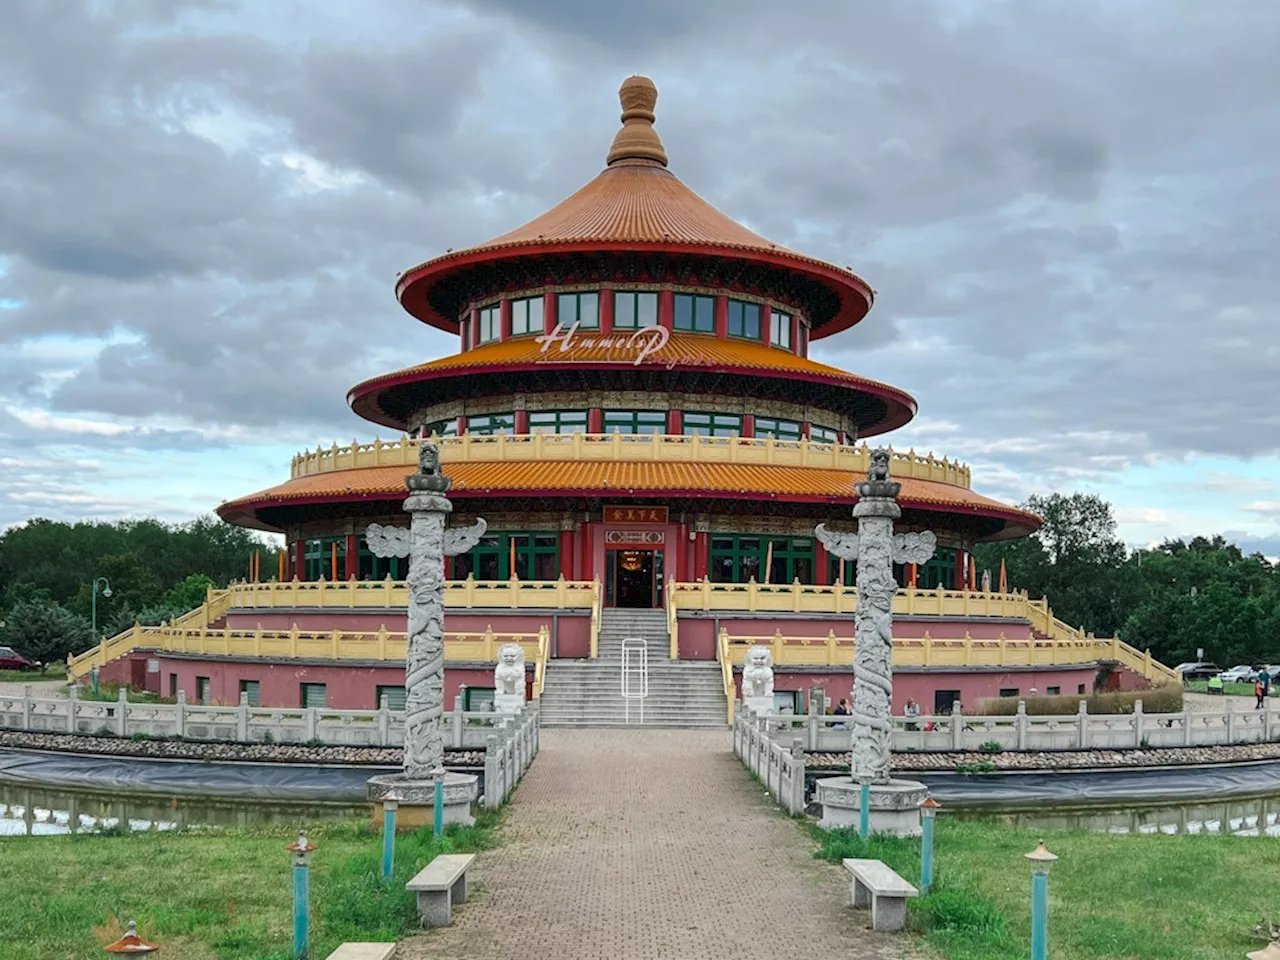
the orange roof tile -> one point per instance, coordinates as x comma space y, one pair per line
568, 478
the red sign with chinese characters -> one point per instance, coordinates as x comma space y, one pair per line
634, 537
635, 514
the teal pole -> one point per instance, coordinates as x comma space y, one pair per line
1041, 860
389, 807
928, 809
864, 813
93, 676
301, 851
438, 803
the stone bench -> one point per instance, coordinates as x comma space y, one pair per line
881, 889
439, 885
364, 951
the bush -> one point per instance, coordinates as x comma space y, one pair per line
991, 746
1166, 699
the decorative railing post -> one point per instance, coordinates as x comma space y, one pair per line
1082, 721
242, 718
308, 723
26, 708
1138, 723
180, 715
796, 804
73, 701
122, 712
957, 726
1020, 724
383, 721
492, 799
457, 722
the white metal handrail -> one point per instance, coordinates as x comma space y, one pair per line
635, 674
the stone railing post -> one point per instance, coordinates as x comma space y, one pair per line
1187, 737
512, 773
1082, 726
308, 723
1020, 724
242, 718
957, 726
458, 721
73, 699
796, 805
813, 724
492, 798
122, 712
383, 721
1266, 721
180, 715
26, 708
1230, 716
1139, 723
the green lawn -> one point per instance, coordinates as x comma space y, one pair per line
223, 894
31, 676
1118, 897
1230, 689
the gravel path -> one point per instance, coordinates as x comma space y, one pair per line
651, 845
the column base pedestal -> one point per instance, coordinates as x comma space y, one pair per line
417, 799
894, 807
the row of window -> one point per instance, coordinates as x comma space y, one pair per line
693, 313
633, 422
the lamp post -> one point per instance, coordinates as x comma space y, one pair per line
928, 809
1041, 860
301, 851
390, 804
106, 593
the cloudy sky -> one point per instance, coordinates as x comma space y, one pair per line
1068, 211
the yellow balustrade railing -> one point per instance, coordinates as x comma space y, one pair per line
755, 598
673, 625
725, 656
596, 596
464, 594
615, 447
382, 644
539, 663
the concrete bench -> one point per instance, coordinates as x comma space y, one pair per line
886, 893
364, 951
439, 885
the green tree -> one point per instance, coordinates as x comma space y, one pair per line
45, 631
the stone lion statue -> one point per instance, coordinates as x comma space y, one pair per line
508, 675
757, 673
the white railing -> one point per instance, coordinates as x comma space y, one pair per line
1023, 731
509, 749
635, 674
463, 729
780, 766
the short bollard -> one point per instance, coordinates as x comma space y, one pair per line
93, 679
864, 812
131, 943
301, 851
1041, 860
389, 807
928, 808
438, 804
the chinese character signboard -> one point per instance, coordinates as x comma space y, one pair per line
653, 538
635, 514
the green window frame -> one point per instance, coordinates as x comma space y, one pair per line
492, 424
780, 329
580, 308
526, 316
646, 422
711, 424
478, 699
823, 434
204, 691
313, 695
737, 558
558, 421
252, 689
744, 319
370, 567
394, 694
441, 428
778, 429
695, 313
317, 556
489, 323
633, 309
537, 556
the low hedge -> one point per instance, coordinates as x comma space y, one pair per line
1165, 699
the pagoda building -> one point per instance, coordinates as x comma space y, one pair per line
632, 401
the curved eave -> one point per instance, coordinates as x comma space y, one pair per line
413, 287
366, 399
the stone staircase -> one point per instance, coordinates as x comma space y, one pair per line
588, 693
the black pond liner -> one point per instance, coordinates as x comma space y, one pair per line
1094, 786
240, 780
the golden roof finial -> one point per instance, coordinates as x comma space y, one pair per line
637, 140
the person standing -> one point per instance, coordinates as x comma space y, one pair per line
1265, 676
1259, 691
912, 712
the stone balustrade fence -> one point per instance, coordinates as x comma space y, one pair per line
774, 757
509, 750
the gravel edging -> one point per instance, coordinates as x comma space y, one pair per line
223, 750
965, 760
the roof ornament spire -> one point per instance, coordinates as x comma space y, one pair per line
637, 140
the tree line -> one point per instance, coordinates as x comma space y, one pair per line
1173, 599
154, 570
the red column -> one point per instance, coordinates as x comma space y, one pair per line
522, 421
805, 428
548, 312
748, 424
699, 555
675, 422
722, 317
504, 320
766, 321
795, 333
299, 559
448, 568
475, 328
595, 420
353, 556
566, 554
960, 571
666, 308
682, 552
586, 538
606, 310
820, 564
462, 426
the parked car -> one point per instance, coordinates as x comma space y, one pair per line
1239, 674
1197, 671
10, 659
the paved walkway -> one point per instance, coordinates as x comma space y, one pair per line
651, 845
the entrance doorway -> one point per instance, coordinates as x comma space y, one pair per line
634, 578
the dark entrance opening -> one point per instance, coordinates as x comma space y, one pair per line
635, 577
